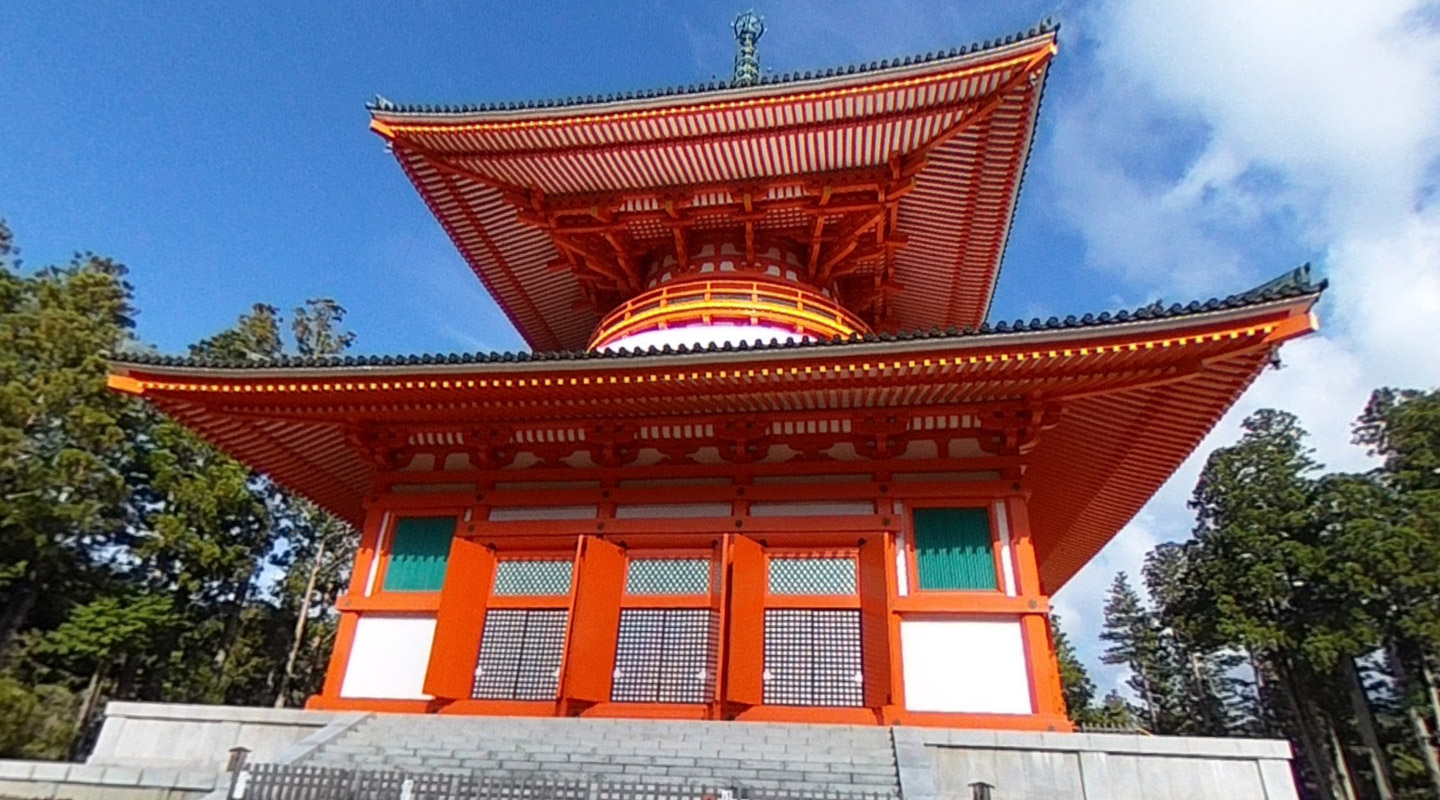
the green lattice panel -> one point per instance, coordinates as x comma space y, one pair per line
953, 550
812, 575
533, 578
668, 576
419, 550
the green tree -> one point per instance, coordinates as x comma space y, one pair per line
137, 561
1079, 689
36, 721
1203, 691
1385, 530
1250, 582
1134, 640
100, 636
321, 547
63, 449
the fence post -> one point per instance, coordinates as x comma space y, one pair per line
237, 759
239, 780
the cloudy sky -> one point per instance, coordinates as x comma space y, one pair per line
1186, 150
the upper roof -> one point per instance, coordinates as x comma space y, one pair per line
1137, 392
940, 141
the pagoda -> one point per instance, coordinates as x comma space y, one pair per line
766, 459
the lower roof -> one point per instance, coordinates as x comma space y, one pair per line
1135, 393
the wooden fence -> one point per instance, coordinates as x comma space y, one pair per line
284, 782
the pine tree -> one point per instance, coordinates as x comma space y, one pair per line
1204, 694
321, 547
1074, 679
1385, 530
1251, 584
1079, 689
62, 443
1133, 640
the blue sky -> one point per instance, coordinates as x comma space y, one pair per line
1185, 151
222, 152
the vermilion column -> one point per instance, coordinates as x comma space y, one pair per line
1046, 694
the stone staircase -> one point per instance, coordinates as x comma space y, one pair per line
762, 756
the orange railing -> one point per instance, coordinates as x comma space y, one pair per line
775, 303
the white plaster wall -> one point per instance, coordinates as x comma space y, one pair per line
672, 511
389, 657
702, 335
541, 513
837, 508
965, 665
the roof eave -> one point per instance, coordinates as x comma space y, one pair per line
680, 97
1079, 335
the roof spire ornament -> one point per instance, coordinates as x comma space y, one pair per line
748, 27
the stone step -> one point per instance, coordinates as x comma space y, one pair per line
820, 758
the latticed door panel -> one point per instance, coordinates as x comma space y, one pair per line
665, 655
813, 657
520, 654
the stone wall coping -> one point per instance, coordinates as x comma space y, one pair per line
93, 775
1118, 743
208, 713
306, 747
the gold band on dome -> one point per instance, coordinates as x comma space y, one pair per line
773, 304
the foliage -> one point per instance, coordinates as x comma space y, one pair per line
1112, 712
1305, 605
35, 721
63, 447
136, 560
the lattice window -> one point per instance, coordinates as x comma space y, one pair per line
665, 655
953, 550
668, 576
520, 652
813, 657
419, 550
812, 575
533, 578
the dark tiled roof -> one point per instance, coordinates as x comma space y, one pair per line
1295, 283
382, 104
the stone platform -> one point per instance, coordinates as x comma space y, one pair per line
169, 752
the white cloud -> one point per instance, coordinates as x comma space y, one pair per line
1319, 126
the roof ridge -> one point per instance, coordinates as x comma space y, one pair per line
383, 104
1292, 284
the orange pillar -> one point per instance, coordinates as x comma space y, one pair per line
1046, 694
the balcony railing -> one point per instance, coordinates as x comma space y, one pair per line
768, 304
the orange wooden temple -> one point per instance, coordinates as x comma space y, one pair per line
767, 460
